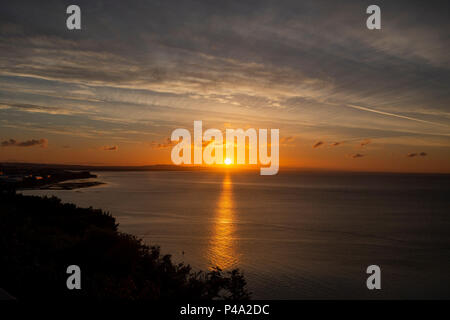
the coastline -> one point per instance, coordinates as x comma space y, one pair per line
31, 177
67, 186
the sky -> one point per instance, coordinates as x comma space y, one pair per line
344, 97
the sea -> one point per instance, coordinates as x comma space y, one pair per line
295, 235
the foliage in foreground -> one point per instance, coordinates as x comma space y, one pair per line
40, 237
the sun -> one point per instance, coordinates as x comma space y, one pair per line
227, 161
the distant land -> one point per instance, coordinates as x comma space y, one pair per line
24, 166
158, 167
22, 176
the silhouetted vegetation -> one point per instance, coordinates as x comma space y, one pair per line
41, 237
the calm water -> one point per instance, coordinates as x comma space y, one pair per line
294, 235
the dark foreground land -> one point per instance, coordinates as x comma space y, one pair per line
41, 237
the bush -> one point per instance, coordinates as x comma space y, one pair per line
41, 237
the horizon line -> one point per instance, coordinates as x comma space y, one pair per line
213, 168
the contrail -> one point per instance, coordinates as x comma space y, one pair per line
394, 115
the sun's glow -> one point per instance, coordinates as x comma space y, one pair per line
227, 161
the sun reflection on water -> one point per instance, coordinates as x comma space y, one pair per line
222, 249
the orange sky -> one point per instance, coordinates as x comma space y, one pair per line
298, 155
343, 97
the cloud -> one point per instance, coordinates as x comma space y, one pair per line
365, 142
28, 143
393, 115
415, 154
33, 108
110, 148
206, 143
357, 155
318, 144
271, 59
163, 145
287, 140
